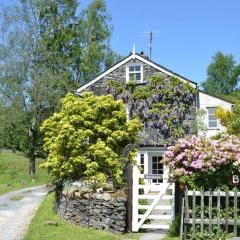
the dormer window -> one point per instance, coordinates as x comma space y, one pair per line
134, 72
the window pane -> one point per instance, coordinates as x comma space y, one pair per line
142, 158
154, 171
160, 166
212, 124
131, 76
154, 166
211, 110
154, 159
211, 117
131, 69
138, 76
137, 68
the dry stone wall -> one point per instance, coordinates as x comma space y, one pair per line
101, 211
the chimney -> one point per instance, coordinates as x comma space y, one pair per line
144, 55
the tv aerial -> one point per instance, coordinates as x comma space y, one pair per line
150, 33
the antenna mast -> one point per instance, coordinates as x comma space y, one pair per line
150, 44
150, 33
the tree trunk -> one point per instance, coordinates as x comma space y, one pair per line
32, 148
32, 167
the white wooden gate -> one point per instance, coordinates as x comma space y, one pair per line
158, 212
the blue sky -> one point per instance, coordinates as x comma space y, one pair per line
191, 31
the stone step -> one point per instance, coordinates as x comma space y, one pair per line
155, 226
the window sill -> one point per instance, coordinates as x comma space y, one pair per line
213, 128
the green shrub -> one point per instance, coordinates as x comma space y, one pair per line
88, 139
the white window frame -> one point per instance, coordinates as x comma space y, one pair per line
142, 162
157, 181
217, 127
134, 65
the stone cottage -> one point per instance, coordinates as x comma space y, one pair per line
159, 193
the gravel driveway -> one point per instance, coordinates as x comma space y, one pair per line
15, 216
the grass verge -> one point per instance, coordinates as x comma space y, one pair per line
14, 172
38, 230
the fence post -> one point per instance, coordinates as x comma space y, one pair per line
194, 214
186, 215
182, 219
235, 213
202, 212
227, 212
135, 173
178, 199
129, 195
218, 213
210, 213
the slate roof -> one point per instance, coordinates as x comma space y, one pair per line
151, 137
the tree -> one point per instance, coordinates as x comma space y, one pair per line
75, 44
44, 50
230, 119
86, 139
223, 75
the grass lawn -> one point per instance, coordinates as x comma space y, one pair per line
64, 231
14, 172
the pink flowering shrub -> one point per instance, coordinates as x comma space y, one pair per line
204, 162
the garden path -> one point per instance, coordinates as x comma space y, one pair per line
153, 235
17, 209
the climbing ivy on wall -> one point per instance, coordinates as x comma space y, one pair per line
161, 103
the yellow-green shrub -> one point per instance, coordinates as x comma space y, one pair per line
86, 139
224, 115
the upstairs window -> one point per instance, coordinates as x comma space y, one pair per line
135, 72
212, 121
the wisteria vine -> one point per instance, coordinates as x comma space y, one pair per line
161, 103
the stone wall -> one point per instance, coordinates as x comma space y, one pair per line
101, 211
119, 74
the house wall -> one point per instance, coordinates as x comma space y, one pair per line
119, 74
206, 101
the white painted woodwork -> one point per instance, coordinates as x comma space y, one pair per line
206, 101
160, 197
159, 217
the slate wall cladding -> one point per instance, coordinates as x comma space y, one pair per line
119, 74
99, 88
100, 211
